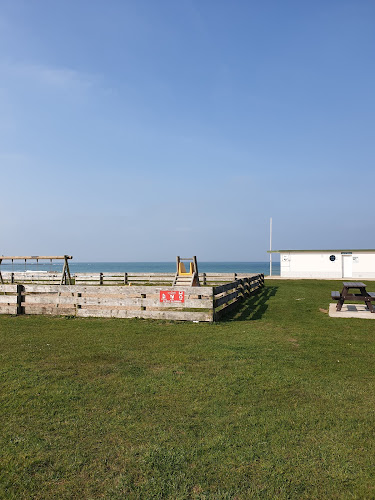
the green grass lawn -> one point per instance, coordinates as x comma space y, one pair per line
277, 401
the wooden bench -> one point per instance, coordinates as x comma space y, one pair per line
345, 295
337, 295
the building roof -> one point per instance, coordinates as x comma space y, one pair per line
324, 251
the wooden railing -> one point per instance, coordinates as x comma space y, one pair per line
27, 277
200, 303
229, 296
141, 278
115, 278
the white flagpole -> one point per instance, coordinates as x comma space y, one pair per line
270, 246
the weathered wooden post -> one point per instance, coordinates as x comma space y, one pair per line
213, 304
20, 299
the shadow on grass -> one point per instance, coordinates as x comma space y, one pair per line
254, 307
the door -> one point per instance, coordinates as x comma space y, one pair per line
347, 266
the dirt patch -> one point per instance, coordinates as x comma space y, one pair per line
294, 342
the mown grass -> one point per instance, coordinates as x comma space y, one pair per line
277, 401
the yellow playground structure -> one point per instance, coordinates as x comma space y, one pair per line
186, 278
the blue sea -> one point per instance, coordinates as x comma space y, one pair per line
142, 267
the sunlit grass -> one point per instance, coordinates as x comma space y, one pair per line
277, 401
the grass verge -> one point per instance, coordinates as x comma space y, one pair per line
276, 401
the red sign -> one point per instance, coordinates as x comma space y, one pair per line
172, 296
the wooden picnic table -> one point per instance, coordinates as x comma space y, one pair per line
347, 295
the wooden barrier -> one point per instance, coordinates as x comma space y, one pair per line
122, 278
140, 278
27, 277
115, 278
200, 303
228, 297
106, 301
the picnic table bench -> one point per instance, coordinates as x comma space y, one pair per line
347, 295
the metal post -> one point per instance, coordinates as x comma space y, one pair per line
271, 246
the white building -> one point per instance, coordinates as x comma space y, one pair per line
327, 263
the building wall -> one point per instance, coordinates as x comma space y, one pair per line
319, 265
363, 265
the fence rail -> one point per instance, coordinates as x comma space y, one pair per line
200, 303
27, 277
114, 278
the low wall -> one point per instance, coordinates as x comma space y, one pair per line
187, 303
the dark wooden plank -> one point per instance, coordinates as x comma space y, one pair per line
224, 288
354, 284
225, 299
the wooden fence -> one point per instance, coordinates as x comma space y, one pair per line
228, 297
200, 303
115, 278
27, 277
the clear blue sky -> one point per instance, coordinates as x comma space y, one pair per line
141, 130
